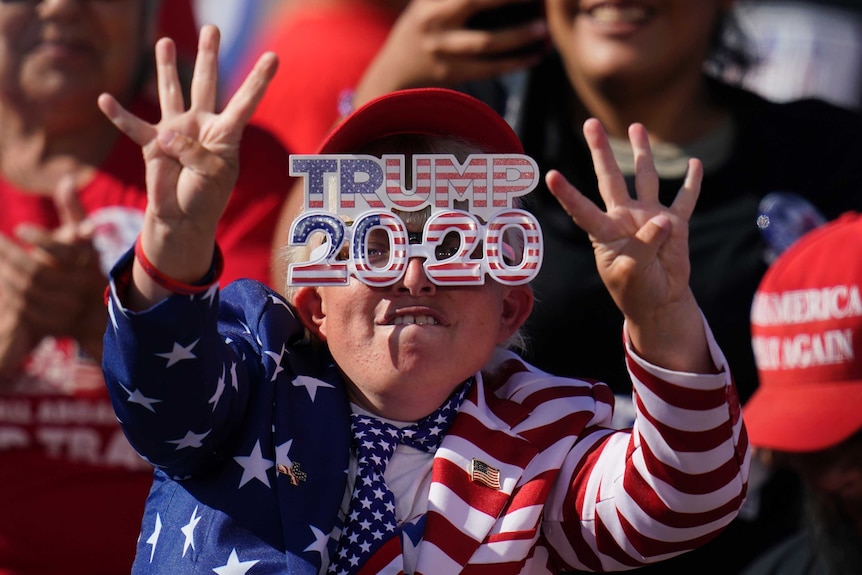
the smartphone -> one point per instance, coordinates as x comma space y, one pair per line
509, 16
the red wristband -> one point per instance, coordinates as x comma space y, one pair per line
175, 286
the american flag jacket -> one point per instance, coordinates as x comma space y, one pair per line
247, 425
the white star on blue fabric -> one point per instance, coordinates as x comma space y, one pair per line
154, 538
321, 540
189, 531
277, 358
278, 301
311, 384
254, 466
219, 390
234, 566
179, 353
282, 452
233, 378
141, 399
190, 439
112, 314
210, 294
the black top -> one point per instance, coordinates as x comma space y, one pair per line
811, 148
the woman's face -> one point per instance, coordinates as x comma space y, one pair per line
609, 40
67, 52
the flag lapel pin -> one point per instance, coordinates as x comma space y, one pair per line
293, 472
484, 474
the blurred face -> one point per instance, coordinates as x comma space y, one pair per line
69, 51
835, 476
414, 339
619, 39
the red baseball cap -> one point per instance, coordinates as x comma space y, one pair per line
424, 111
806, 324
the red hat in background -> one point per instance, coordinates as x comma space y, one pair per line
424, 111
806, 323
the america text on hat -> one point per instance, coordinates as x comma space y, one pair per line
803, 306
350, 185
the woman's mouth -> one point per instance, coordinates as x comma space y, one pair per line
611, 14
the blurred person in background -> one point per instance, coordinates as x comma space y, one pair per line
240, 23
73, 195
806, 416
324, 46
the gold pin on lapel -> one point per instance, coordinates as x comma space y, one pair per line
484, 474
294, 473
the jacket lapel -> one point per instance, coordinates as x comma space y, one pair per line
465, 502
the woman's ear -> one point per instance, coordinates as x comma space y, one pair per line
309, 307
517, 305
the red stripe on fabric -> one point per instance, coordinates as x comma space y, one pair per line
574, 535
742, 445
573, 504
607, 545
688, 441
700, 483
534, 491
547, 394
603, 393
499, 445
442, 533
522, 535
550, 433
733, 404
649, 547
493, 380
634, 483
678, 396
382, 557
509, 411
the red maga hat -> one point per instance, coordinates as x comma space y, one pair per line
806, 323
424, 111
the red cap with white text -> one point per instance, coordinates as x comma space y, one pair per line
424, 111
806, 324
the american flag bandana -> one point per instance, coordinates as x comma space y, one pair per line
371, 517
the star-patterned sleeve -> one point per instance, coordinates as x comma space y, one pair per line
181, 373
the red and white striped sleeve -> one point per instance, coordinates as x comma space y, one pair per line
669, 485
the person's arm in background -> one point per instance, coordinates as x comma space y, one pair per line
433, 44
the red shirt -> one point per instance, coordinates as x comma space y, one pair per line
72, 490
323, 52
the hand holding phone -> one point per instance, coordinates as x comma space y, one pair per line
445, 43
511, 16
